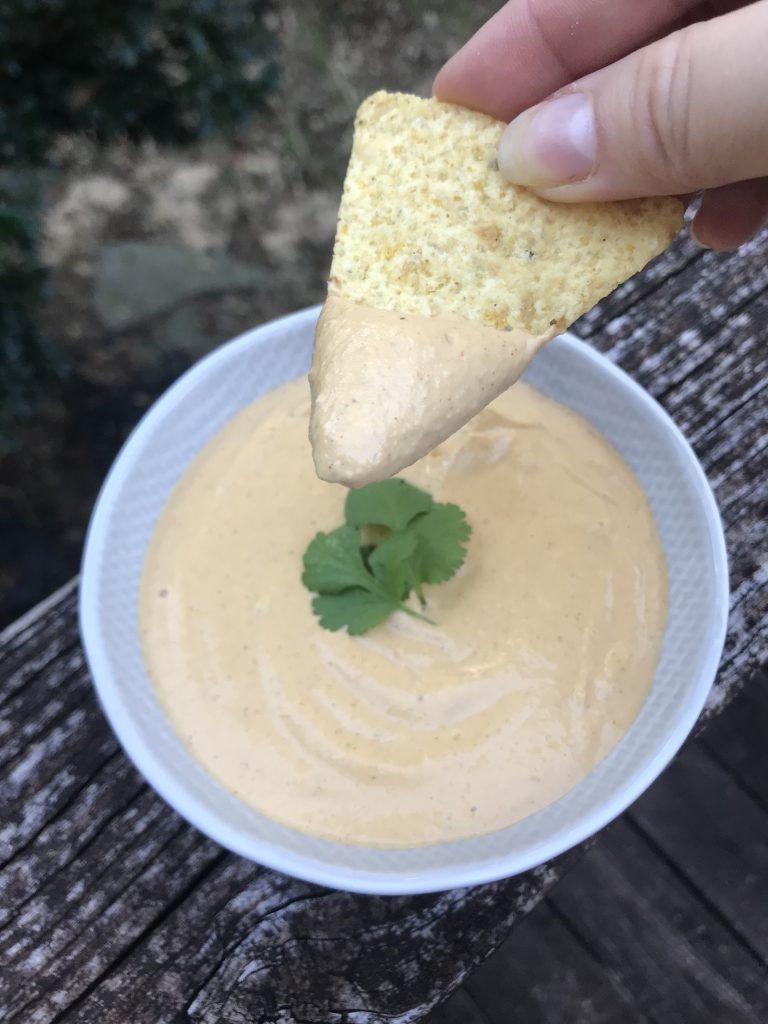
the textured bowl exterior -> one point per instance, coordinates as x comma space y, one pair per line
192, 411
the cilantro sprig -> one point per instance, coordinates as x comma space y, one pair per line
395, 539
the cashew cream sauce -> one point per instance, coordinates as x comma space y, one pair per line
546, 644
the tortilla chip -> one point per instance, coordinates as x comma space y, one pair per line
428, 225
428, 228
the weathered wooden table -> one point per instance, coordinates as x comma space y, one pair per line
113, 909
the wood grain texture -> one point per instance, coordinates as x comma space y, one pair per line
725, 856
739, 744
545, 973
593, 951
113, 909
654, 937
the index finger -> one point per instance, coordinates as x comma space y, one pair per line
531, 48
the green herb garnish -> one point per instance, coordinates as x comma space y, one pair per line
396, 539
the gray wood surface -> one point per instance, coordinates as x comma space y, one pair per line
664, 919
112, 909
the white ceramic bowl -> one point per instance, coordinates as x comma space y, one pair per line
183, 420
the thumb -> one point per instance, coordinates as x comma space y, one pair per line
686, 113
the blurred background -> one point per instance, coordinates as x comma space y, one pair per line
170, 172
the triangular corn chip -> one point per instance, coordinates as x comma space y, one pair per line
482, 272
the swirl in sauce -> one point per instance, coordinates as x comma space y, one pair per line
546, 646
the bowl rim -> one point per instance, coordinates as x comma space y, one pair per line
305, 866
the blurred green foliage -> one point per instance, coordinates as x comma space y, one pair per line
167, 69
172, 70
27, 360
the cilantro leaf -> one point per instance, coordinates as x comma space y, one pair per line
396, 539
389, 563
357, 609
441, 534
333, 562
391, 503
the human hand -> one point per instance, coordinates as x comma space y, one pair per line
669, 102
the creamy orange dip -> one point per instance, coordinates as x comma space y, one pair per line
545, 648
388, 386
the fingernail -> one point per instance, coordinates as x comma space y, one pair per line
552, 144
694, 230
